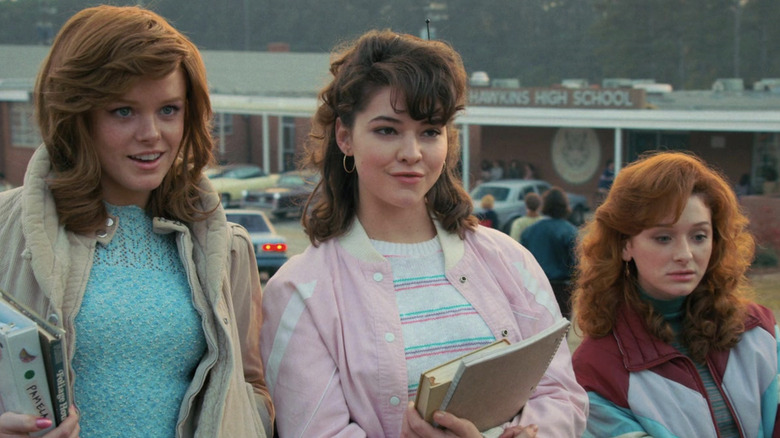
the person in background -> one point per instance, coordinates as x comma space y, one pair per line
484, 171
514, 171
533, 202
488, 217
605, 181
552, 241
673, 346
117, 237
4, 184
398, 277
743, 188
497, 170
529, 171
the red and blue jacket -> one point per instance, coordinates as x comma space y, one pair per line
640, 386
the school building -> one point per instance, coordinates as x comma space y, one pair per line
263, 102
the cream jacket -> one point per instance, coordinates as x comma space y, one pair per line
47, 268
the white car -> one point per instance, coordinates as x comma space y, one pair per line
510, 199
232, 180
270, 246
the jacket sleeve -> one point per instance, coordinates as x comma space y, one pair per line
247, 305
606, 419
303, 377
559, 405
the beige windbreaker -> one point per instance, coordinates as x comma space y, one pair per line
47, 268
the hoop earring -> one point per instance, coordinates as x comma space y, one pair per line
344, 163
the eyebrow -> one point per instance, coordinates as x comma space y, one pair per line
698, 224
385, 119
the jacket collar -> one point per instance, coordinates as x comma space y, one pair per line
357, 243
46, 239
642, 351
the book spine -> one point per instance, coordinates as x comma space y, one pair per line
57, 377
28, 391
453, 385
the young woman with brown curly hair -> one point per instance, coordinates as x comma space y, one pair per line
673, 345
399, 276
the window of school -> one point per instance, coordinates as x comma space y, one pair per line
24, 130
766, 153
222, 124
288, 143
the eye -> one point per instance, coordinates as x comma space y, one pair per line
701, 237
385, 130
662, 239
124, 111
169, 110
432, 132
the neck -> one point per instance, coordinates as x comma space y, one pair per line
400, 226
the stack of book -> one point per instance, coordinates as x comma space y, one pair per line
490, 385
34, 375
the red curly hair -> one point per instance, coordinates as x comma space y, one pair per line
643, 194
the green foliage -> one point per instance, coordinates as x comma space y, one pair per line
766, 257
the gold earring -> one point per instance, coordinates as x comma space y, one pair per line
627, 270
344, 163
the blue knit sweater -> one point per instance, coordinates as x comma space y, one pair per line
138, 336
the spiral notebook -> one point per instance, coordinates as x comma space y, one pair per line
489, 386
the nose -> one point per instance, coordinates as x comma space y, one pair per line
148, 129
683, 251
410, 150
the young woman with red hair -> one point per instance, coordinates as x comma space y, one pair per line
673, 346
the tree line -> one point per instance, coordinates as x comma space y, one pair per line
686, 43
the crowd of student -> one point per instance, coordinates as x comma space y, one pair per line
118, 237
497, 169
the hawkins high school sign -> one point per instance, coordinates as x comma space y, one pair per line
611, 98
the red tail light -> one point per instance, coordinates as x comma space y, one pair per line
275, 247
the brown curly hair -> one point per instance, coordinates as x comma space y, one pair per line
430, 77
100, 54
643, 194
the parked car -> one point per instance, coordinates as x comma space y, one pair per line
232, 180
287, 197
270, 247
510, 194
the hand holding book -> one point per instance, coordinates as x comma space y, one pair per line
14, 424
490, 385
34, 377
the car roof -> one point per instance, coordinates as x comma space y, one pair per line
245, 211
512, 182
249, 211
237, 165
302, 172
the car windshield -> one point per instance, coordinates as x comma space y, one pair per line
499, 193
241, 173
290, 180
254, 223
